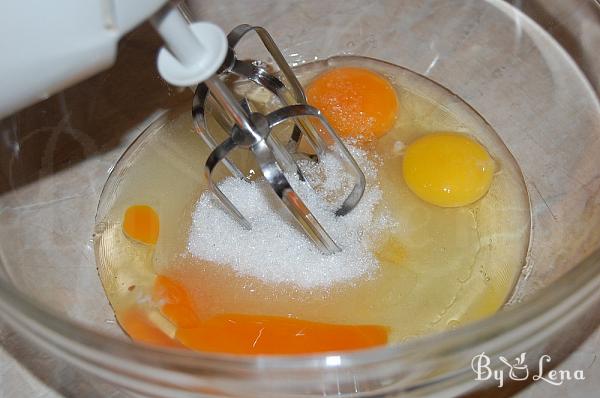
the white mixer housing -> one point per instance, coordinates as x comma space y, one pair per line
50, 45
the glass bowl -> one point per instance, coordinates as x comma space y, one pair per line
530, 72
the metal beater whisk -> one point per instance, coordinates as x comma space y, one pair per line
252, 131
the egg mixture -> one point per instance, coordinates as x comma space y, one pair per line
443, 244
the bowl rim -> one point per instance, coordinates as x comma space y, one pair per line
575, 291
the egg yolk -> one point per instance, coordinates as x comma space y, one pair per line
448, 169
355, 101
260, 334
254, 334
137, 325
141, 223
175, 303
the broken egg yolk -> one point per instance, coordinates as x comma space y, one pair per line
174, 302
141, 223
137, 325
252, 334
260, 334
448, 169
356, 102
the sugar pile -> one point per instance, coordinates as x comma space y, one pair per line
275, 250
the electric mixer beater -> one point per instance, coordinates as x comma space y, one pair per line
253, 131
196, 53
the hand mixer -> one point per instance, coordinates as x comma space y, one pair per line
196, 54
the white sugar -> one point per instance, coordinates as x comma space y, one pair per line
275, 250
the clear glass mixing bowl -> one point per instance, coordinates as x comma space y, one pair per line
530, 69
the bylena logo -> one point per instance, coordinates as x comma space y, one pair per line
518, 370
